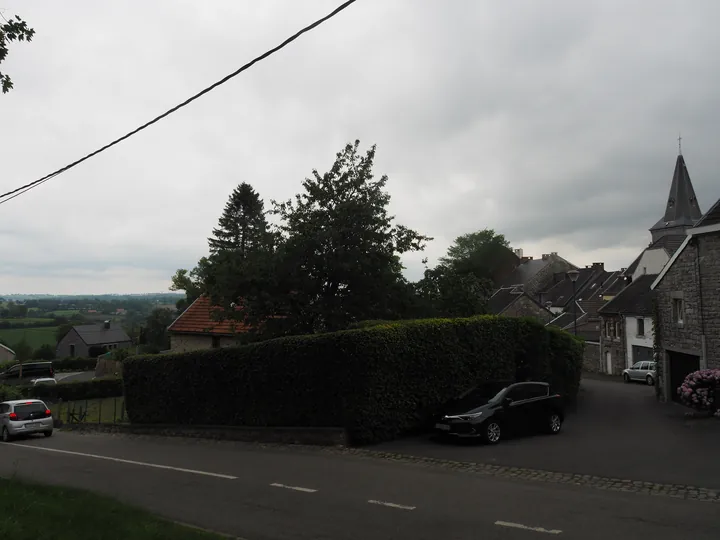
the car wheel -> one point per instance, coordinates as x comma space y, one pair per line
554, 423
6, 437
48, 433
492, 432
649, 379
626, 377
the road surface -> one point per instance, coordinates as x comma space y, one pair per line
258, 493
618, 430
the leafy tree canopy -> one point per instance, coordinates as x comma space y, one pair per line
485, 254
14, 29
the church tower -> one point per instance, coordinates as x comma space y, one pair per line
682, 210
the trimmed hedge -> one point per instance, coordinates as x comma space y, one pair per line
377, 382
66, 364
74, 391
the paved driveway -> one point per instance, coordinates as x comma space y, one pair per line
618, 430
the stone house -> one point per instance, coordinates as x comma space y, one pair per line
91, 340
627, 326
688, 306
196, 329
596, 287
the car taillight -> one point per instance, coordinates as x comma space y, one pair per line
48, 412
12, 416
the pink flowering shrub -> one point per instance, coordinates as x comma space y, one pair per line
697, 391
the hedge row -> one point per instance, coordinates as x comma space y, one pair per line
71, 363
74, 391
377, 382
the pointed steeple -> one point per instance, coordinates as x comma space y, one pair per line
682, 210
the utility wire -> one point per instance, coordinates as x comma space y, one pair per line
27, 187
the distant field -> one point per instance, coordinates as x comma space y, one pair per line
36, 337
28, 320
65, 312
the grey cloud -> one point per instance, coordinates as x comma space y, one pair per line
553, 123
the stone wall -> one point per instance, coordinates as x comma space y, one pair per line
612, 342
591, 357
526, 307
680, 281
710, 284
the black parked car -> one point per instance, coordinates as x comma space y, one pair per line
515, 408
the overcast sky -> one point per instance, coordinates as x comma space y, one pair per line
555, 123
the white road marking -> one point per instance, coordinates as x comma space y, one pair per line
525, 527
295, 488
392, 505
128, 461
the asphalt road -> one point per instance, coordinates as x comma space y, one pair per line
618, 430
270, 493
75, 376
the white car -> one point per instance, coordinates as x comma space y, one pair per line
44, 380
24, 417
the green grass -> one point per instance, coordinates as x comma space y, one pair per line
33, 512
36, 337
99, 411
28, 320
65, 312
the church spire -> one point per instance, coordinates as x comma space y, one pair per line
682, 210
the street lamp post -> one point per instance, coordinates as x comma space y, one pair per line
573, 275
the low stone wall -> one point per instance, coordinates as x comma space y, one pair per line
281, 435
591, 357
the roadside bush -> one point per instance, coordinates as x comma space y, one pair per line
377, 382
698, 390
8, 393
74, 363
73, 391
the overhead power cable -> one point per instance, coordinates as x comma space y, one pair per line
5, 197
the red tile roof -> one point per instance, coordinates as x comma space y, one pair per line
197, 319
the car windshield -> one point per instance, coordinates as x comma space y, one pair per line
481, 395
26, 411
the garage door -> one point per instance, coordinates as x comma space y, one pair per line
642, 354
681, 365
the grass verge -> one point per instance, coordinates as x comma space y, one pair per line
31, 512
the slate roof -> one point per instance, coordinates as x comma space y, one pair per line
682, 206
635, 299
711, 217
561, 293
525, 272
500, 300
97, 334
605, 284
197, 319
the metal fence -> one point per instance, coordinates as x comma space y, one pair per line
90, 411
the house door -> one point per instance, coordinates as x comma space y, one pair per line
680, 366
608, 363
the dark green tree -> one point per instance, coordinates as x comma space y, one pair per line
156, 325
485, 254
336, 258
44, 352
191, 282
445, 292
14, 29
242, 227
23, 350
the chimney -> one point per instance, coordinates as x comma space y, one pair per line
545, 256
553, 253
106, 325
599, 265
519, 253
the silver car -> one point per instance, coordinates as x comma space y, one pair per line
641, 371
24, 417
